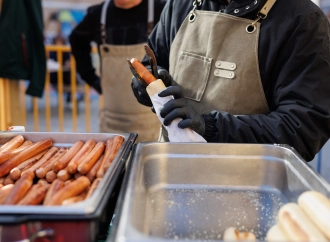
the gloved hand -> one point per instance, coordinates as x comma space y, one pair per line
97, 85
180, 107
140, 91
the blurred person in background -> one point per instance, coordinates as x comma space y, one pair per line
120, 28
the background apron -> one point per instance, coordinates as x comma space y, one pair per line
122, 112
215, 61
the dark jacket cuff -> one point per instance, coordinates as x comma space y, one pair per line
209, 127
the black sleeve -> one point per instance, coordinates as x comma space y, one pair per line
300, 101
80, 41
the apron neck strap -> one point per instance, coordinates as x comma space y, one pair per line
262, 14
266, 8
104, 18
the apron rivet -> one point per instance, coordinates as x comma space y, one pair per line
236, 11
255, 2
232, 66
247, 7
230, 75
192, 17
216, 72
218, 64
250, 29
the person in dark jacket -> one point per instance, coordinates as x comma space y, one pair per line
245, 71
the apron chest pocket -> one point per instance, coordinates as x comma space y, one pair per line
197, 68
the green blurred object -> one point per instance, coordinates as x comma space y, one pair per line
65, 16
22, 50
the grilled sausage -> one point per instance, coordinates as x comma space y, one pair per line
117, 142
15, 173
89, 160
43, 182
74, 199
8, 180
4, 192
15, 142
65, 159
50, 153
67, 182
35, 195
93, 187
4, 156
143, 71
28, 153
71, 190
19, 190
74, 162
91, 175
55, 186
51, 176
64, 175
106, 156
48, 165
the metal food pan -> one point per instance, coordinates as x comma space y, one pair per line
77, 222
180, 192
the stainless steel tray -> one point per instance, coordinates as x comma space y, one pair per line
195, 191
78, 221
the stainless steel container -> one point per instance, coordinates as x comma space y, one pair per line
77, 222
180, 192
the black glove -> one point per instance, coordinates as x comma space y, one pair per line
179, 107
140, 91
97, 85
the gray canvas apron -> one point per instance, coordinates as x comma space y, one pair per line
214, 58
122, 112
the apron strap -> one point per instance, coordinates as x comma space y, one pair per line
262, 14
150, 23
266, 8
103, 20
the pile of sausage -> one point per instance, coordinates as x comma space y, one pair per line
40, 173
307, 220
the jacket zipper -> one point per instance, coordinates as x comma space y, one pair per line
24, 50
